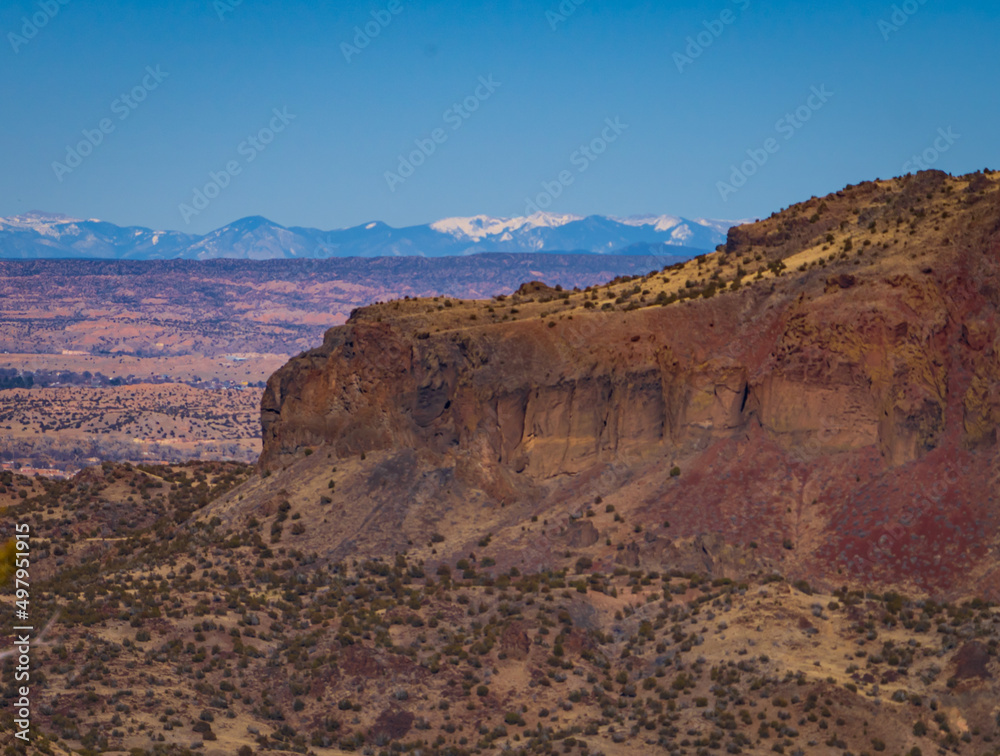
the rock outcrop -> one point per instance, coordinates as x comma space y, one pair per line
824, 405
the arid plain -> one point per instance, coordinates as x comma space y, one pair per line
166, 361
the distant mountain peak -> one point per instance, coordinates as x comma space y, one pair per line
254, 221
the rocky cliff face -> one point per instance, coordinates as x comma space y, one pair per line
819, 397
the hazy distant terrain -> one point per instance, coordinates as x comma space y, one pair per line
221, 327
211, 308
66, 428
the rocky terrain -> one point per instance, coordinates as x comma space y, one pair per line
820, 397
169, 632
744, 504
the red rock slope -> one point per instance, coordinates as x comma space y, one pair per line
819, 397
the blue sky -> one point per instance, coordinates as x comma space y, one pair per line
690, 115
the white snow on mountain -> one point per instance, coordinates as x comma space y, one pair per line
478, 227
658, 222
549, 220
681, 233
722, 226
46, 224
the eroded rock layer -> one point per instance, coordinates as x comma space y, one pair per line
819, 397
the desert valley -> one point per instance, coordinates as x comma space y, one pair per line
743, 503
165, 361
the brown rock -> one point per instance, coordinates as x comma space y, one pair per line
392, 724
514, 641
971, 662
830, 416
581, 534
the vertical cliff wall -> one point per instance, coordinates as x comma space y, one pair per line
810, 381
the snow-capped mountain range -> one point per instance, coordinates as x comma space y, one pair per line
44, 235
